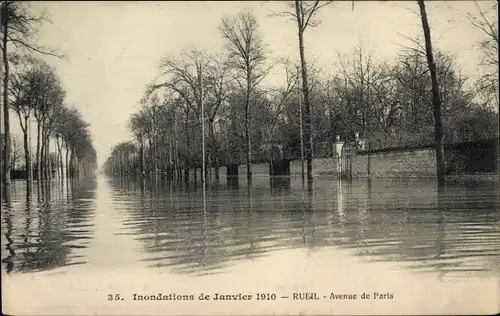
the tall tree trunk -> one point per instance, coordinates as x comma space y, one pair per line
27, 157
215, 150
305, 91
122, 163
249, 147
155, 150
48, 158
150, 156
202, 118
177, 164
60, 159
13, 160
170, 164
247, 127
72, 162
67, 160
63, 174
436, 97
78, 168
46, 165
127, 163
43, 156
141, 154
6, 119
38, 153
186, 168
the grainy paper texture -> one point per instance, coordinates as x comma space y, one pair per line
123, 220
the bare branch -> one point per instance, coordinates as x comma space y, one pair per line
39, 50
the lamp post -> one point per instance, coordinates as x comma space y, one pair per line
338, 156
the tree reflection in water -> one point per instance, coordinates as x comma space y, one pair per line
411, 222
453, 231
42, 232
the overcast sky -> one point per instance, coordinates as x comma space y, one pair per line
114, 48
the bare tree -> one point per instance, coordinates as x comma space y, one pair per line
138, 126
218, 90
361, 75
187, 78
45, 95
247, 56
486, 20
303, 13
436, 97
19, 101
18, 27
280, 96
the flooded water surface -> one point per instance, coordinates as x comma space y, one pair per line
77, 247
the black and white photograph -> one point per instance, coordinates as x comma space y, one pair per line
298, 157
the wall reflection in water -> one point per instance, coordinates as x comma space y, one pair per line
44, 230
454, 231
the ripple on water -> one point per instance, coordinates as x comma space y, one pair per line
449, 232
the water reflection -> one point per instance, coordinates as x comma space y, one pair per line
453, 231
449, 231
182, 228
43, 229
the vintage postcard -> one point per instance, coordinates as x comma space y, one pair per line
250, 158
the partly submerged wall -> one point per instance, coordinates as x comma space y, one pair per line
408, 163
417, 162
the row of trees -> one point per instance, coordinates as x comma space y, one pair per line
32, 89
420, 97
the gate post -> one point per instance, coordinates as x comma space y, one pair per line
337, 155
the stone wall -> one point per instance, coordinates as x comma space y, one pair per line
411, 163
324, 166
258, 170
401, 163
393, 163
321, 166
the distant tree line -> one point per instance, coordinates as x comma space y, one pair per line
223, 105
